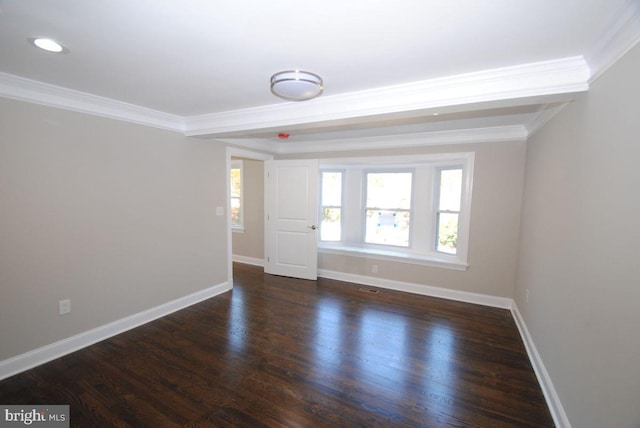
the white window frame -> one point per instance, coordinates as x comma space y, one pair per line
422, 249
436, 202
238, 164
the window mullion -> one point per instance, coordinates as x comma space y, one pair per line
352, 207
421, 230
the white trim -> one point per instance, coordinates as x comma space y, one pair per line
623, 33
543, 116
396, 160
393, 256
263, 144
241, 153
524, 81
21, 89
433, 138
248, 260
425, 290
515, 133
553, 401
39, 356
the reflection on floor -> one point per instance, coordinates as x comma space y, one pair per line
284, 352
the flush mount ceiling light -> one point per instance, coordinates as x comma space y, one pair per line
296, 85
49, 45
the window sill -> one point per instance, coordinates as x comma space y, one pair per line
236, 229
394, 256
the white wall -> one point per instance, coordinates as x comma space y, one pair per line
117, 217
579, 257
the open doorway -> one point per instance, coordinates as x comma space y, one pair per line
246, 238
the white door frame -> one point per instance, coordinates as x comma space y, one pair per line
241, 153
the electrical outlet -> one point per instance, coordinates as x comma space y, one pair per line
64, 306
374, 268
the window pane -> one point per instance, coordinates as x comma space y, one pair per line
450, 189
331, 189
447, 232
330, 227
235, 211
389, 190
235, 182
388, 227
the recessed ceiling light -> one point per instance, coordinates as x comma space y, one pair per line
49, 45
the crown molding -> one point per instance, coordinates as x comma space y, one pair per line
525, 83
623, 33
251, 143
541, 79
434, 138
544, 115
459, 136
554, 81
21, 89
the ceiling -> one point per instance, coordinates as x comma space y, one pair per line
419, 70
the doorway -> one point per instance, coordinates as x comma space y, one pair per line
252, 236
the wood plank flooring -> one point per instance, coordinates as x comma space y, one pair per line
284, 352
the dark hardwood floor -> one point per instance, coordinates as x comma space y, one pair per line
284, 352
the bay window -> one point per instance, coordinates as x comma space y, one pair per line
411, 209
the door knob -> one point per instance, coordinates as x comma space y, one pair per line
312, 227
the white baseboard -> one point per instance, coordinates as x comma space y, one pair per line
36, 357
248, 260
553, 401
426, 290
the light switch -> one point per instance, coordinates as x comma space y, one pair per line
219, 211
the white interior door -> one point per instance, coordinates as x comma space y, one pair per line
291, 194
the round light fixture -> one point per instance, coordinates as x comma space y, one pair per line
49, 45
296, 85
